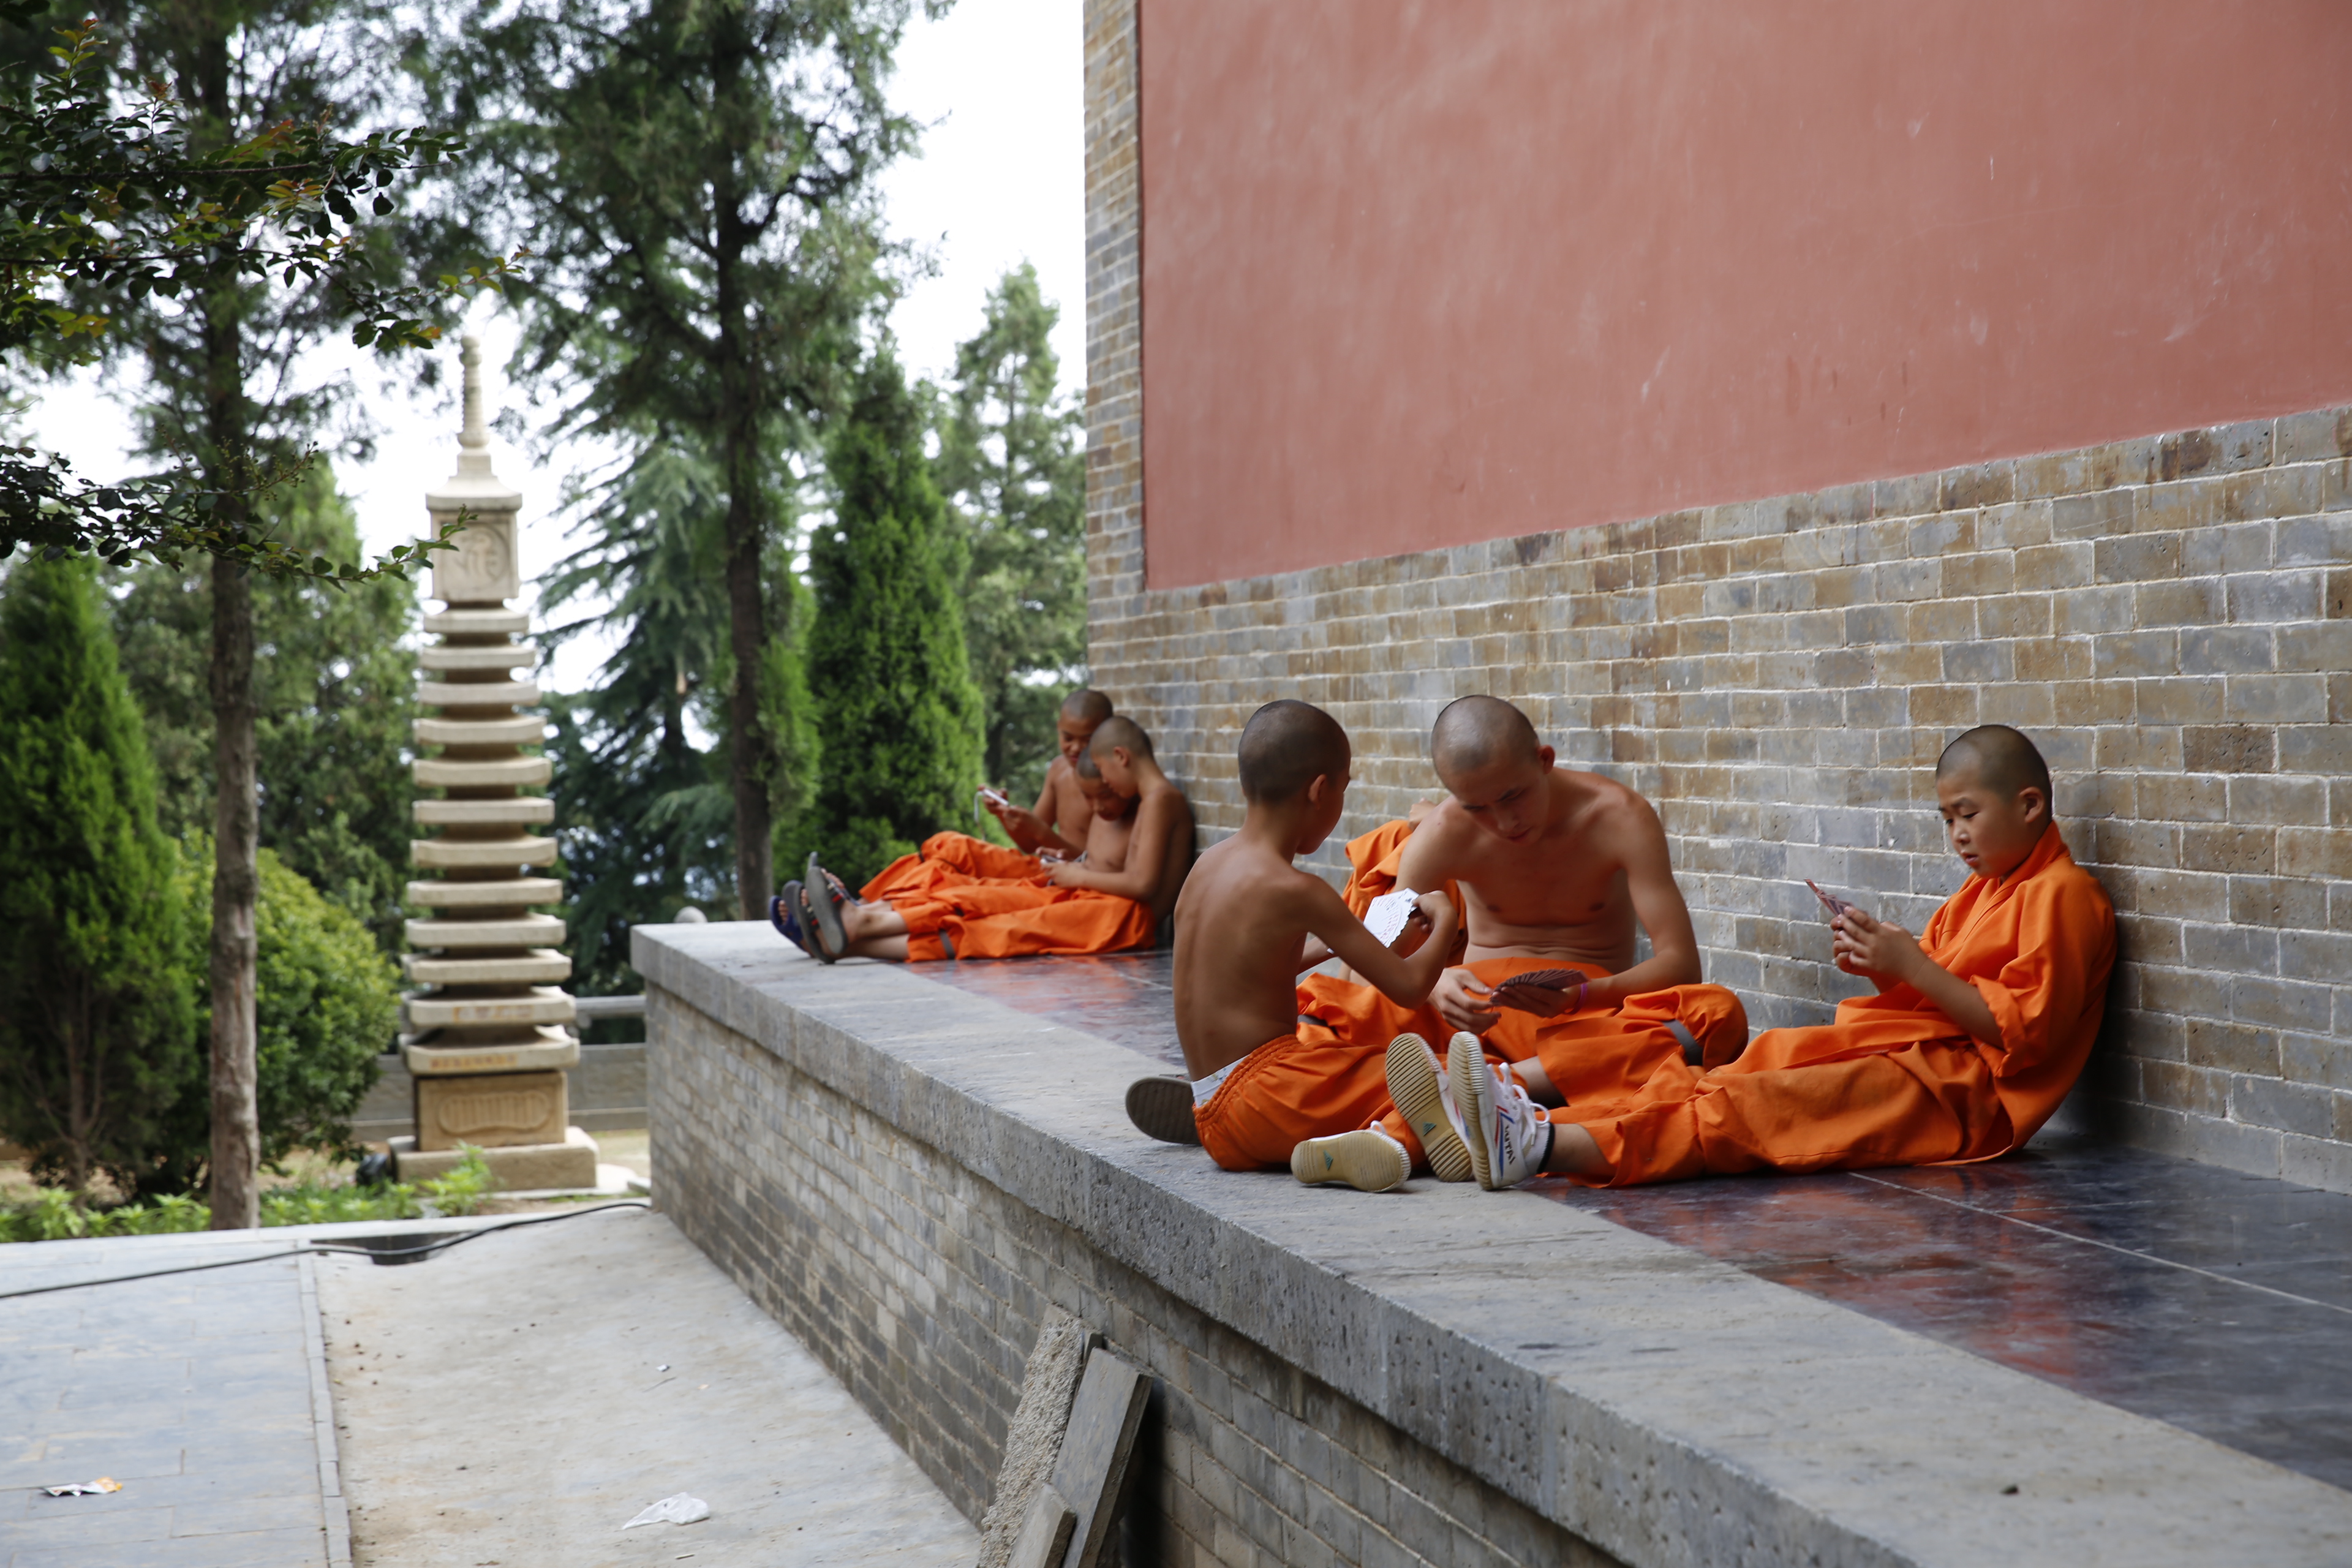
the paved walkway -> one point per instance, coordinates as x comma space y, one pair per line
517, 1399
511, 1401
202, 1394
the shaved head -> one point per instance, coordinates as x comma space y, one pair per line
2004, 759
1087, 769
1473, 733
1115, 732
1086, 706
1288, 745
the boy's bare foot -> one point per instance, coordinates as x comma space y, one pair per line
1418, 1087
1162, 1108
1367, 1160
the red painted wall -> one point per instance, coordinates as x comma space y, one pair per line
1419, 274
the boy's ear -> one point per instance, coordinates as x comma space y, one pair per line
2033, 803
1315, 788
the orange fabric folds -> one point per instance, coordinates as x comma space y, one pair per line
1295, 1087
1893, 1081
961, 898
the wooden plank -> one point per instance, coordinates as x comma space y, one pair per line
1091, 1473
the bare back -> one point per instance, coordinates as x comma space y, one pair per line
1241, 930
1574, 892
1164, 817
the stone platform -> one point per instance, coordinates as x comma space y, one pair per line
2082, 1355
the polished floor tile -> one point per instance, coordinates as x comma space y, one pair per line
2218, 1301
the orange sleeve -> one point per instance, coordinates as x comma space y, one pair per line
1372, 864
2056, 984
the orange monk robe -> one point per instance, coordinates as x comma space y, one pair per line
964, 898
1893, 1081
1585, 1051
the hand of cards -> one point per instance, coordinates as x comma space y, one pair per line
1836, 906
1513, 993
1388, 915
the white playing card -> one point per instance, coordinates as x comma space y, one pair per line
1386, 917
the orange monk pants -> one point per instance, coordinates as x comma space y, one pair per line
1309, 1084
1796, 1099
964, 898
1599, 1052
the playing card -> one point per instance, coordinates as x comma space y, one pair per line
1386, 918
1546, 979
1830, 902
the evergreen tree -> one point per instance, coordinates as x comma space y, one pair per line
643, 812
694, 181
334, 698
1010, 462
898, 715
95, 1041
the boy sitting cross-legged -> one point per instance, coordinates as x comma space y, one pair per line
1978, 1030
1262, 1086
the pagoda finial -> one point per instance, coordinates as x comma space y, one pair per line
473, 440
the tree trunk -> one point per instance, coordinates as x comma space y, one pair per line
749, 751
237, 826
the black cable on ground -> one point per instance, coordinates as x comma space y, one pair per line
381, 1254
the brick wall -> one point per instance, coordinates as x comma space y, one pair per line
921, 1286
2170, 618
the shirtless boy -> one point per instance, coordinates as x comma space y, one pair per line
1554, 867
1978, 1030
1059, 822
1137, 847
1261, 1085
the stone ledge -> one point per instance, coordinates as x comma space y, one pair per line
1668, 1408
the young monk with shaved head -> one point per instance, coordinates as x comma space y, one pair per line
1555, 868
1264, 1081
967, 899
1978, 1030
1061, 819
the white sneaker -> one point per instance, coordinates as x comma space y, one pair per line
1508, 1133
1367, 1160
1418, 1088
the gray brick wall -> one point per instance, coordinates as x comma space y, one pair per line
921, 1287
2170, 618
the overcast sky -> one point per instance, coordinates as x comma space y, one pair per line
1001, 180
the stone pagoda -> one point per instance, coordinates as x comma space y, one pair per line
489, 1026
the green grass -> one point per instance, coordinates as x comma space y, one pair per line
52, 1215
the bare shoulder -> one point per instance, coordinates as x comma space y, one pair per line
1615, 808
1444, 839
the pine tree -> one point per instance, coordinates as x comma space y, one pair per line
898, 715
694, 181
1010, 463
95, 1020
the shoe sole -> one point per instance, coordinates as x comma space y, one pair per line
1369, 1164
1162, 1108
1474, 1096
819, 899
788, 901
818, 947
1413, 1084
